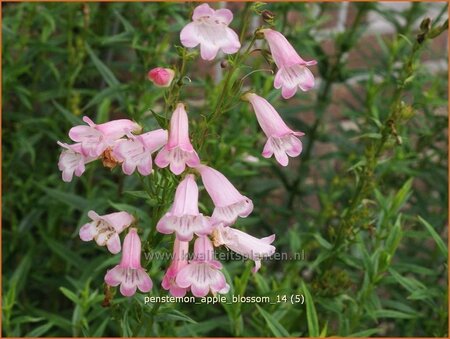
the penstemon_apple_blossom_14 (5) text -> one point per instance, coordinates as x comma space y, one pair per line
170, 150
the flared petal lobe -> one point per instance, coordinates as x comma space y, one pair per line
202, 275
95, 139
105, 229
184, 217
129, 274
179, 261
292, 69
136, 152
244, 244
72, 161
229, 203
209, 28
281, 140
178, 152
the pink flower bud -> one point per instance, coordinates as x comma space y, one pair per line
161, 77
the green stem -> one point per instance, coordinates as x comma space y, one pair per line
375, 148
225, 93
322, 102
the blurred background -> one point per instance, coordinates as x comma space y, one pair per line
366, 202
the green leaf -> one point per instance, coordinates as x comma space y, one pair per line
393, 314
311, 315
63, 252
275, 327
69, 294
409, 284
40, 331
439, 242
174, 315
365, 333
70, 199
105, 72
70, 117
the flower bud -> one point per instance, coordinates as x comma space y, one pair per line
268, 16
161, 77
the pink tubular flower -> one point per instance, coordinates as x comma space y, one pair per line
209, 28
292, 71
105, 229
72, 161
244, 244
95, 139
136, 152
161, 77
129, 274
203, 273
229, 203
178, 151
179, 261
184, 218
281, 140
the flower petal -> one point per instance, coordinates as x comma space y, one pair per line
144, 284
188, 35
115, 276
306, 79
208, 50
224, 15
119, 220
287, 92
162, 160
230, 44
113, 244
202, 11
88, 231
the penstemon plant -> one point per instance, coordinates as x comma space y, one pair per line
127, 144
226, 147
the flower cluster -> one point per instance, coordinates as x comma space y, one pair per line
121, 142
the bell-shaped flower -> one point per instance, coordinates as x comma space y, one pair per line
161, 77
72, 161
281, 140
105, 229
179, 261
292, 71
178, 152
184, 217
136, 151
228, 202
209, 28
129, 274
95, 139
244, 244
203, 274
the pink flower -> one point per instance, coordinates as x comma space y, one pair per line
229, 203
161, 77
129, 274
244, 244
72, 161
178, 151
209, 28
136, 152
105, 229
95, 139
179, 261
184, 218
281, 140
203, 273
292, 71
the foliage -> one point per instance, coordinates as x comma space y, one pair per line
367, 204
